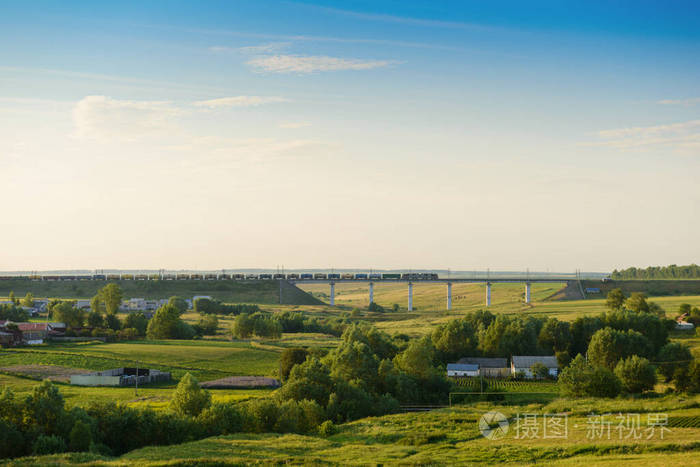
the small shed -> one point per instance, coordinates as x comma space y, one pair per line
461, 369
523, 364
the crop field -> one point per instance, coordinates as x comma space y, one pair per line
452, 436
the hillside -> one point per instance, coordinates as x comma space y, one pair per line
263, 292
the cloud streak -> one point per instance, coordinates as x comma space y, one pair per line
681, 136
239, 101
683, 102
312, 64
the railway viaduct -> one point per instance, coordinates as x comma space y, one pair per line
448, 282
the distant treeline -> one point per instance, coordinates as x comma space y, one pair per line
691, 271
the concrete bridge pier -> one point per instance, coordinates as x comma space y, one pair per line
371, 292
449, 295
332, 293
410, 296
527, 292
488, 294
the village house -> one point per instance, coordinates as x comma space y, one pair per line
523, 364
488, 367
459, 369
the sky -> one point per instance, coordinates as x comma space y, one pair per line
546, 135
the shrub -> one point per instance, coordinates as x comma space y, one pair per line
11, 440
48, 445
636, 374
327, 428
581, 379
221, 419
289, 358
188, 398
80, 437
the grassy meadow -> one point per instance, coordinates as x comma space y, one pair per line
451, 436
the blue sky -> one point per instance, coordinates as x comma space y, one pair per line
543, 135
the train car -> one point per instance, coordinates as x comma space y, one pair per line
196, 277
183, 277
141, 277
127, 277
334, 276
361, 276
154, 277
265, 276
306, 276
251, 277
239, 277
391, 276
113, 277
224, 277
68, 278
35, 278
22, 277
83, 278
375, 275
278, 276
169, 277
210, 277
347, 276
6, 278
320, 275
293, 277
98, 277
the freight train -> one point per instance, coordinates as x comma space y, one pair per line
413, 276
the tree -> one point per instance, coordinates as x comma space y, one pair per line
455, 339
688, 379
539, 370
581, 379
112, 322
45, 406
95, 319
615, 299
28, 300
672, 357
12, 298
179, 303
376, 307
96, 305
637, 302
395, 307
166, 324
608, 346
243, 326
684, 308
136, 321
290, 357
636, 374
189, 398
354, 361
417, 359
209, 324
555, 336
108, 298
65, 312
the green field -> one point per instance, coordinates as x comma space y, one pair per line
228, 291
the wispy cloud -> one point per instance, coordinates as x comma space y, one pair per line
293, 125
239, 101
311, 64
407, 20
104, 118
682, 136
684, 102
272, 47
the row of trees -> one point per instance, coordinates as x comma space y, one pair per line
213, 306
691, 271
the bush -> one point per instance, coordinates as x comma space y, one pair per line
289, 358
48, 445
80, 437
190, 399
221, 419
327, 428
11, 440
636, 374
